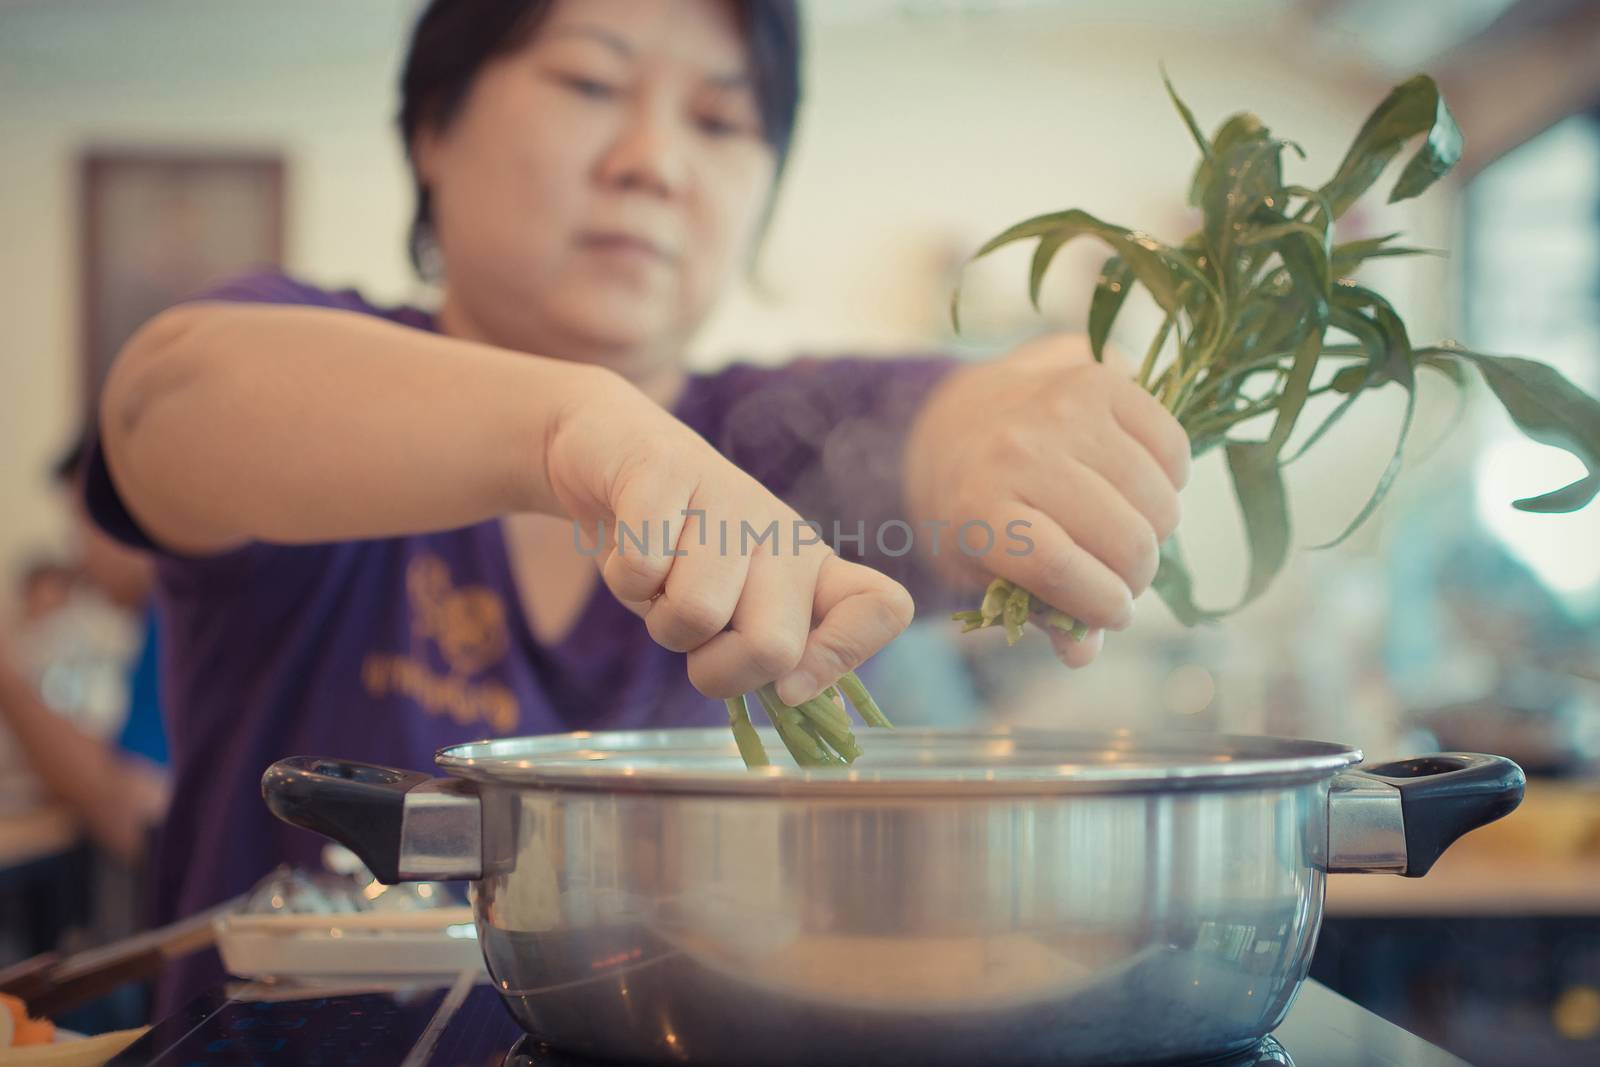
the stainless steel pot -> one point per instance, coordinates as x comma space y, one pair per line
996, 897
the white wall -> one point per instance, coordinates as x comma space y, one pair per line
312, 80
922, 137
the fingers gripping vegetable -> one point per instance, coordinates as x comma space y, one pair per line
1250, 300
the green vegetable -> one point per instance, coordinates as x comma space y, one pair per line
817, 733
1250, 299
751, 749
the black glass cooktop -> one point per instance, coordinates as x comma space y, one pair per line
461, 1027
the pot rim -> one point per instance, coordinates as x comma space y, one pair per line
965, 763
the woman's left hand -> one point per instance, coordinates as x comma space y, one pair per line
1073, 448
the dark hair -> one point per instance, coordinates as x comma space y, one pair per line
453, 39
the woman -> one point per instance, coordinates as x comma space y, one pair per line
364, 516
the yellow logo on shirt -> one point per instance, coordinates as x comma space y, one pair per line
468, 626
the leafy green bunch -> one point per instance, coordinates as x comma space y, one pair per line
1256, 303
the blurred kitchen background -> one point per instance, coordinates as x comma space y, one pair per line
148, 147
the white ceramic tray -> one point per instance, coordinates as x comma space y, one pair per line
343, 947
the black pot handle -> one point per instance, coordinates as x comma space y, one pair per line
1447, 794
359, 805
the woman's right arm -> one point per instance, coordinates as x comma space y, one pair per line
224, 423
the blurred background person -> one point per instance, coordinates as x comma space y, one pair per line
79, 688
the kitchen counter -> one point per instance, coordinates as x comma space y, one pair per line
1543, 859
1474, 884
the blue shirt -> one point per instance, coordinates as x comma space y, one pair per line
143, 733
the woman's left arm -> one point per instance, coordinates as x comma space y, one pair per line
1067, 472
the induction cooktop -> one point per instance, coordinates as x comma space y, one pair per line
466, 1025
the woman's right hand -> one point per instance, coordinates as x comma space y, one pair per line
747, 610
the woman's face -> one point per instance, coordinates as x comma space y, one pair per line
602, 182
